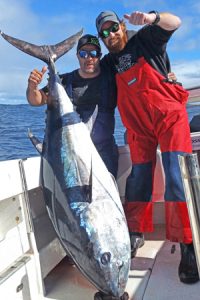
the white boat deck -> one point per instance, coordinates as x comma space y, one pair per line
34, 266
153, 275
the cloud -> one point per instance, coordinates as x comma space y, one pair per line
188, 72
18, 18
19, 21
48, 22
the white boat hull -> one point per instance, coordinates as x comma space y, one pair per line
33, 267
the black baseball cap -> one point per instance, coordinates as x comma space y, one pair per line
105, 16
88, 39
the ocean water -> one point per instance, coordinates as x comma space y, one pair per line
16, 120
14, 125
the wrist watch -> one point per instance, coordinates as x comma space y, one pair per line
157, 19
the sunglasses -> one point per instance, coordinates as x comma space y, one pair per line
92, 53
106, 32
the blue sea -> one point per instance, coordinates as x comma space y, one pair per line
17, 119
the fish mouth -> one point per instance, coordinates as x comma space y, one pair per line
117, 284
115, 287
122, 279
121, 287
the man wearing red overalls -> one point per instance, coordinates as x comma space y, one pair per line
154, 113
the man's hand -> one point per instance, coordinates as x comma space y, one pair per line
33, 94
140, 18
36, 77
166, 20
171, 77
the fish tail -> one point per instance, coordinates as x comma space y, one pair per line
45, 53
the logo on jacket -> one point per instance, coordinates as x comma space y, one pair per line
132, 81
125, 62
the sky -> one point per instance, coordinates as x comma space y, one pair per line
49, 22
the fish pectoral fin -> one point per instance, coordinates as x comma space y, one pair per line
91, 183
35, 141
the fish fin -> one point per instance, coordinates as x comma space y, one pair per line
90, 123
35, 141
46, 53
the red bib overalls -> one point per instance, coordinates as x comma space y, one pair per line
154, 112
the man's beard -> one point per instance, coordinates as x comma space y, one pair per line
116, 44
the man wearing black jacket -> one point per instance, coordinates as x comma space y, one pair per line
153, 111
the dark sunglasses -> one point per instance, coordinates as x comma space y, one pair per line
92, 53
105, 33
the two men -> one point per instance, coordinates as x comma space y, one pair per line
153, 111
89, 86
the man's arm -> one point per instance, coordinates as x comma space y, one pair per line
166, 20
35, 96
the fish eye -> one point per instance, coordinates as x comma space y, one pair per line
105, 258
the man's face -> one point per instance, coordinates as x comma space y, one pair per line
116, 40
89, 64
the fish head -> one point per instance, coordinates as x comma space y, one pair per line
109, 247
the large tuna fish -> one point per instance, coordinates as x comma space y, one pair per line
81, 195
